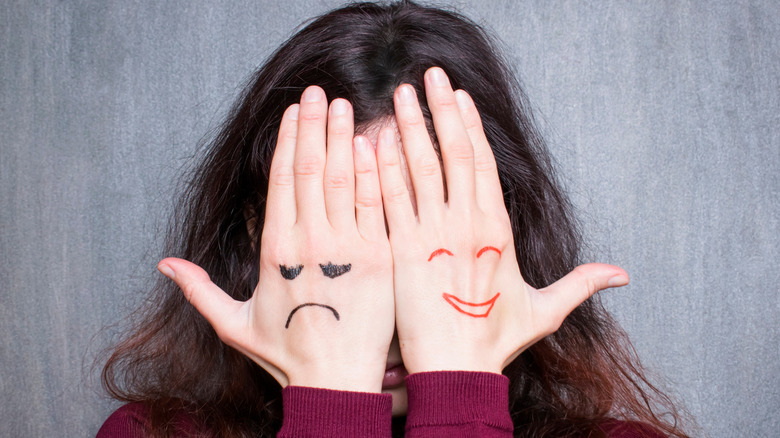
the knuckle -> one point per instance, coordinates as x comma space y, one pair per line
313, 242
471, 122
461, 151
579, 273
447, 103
484, 163
282, 177
397, 195
189, 289
269, 262
308, 165
584, 280
312, 115
337, 181
412, 122
428, 168
390, 163
503, 240
288, 135
339, 130
275, 248
364, 170
503, 223
367, 202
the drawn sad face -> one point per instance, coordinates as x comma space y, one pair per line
330, 270
476, 310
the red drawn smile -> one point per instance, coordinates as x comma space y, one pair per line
471, 309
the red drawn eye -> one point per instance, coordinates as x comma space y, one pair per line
488, 248
439, 251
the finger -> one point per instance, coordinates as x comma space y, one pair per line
309, 165
423, 162
560, 298
368, 195
219, 309
339, 168
280, 210
456, 150
395, 194
489, 194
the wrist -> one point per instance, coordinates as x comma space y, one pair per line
349, 377
429, 359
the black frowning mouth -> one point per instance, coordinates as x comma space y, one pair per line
289, 318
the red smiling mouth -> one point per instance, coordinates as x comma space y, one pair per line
471, 309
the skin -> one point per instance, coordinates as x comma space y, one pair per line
434, 336
329, 192
324, 203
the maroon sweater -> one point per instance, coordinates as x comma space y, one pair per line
441, 404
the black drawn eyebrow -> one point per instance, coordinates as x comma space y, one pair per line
290, 272
289, 318
332, 271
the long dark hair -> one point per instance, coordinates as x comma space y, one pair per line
570, 383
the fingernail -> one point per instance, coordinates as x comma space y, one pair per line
406, 94
312, 94
293, 112
166, 270
388, 136
361, 145
437, 76
339, 107
462, 98
618, 280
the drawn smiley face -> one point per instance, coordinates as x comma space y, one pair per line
475, 310
329, 270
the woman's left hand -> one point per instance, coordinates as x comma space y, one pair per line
461, 301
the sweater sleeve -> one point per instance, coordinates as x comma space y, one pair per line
315, 412
458, 404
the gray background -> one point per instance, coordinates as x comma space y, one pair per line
663, 116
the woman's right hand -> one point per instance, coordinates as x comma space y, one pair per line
322, 314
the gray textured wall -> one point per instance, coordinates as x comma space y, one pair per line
662, 114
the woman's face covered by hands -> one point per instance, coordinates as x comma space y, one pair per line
370, 235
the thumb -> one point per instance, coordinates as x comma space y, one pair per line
209, 300
220, 310
560, 298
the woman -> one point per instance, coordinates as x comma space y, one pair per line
474, 270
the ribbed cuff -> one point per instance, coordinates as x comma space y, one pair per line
448, 398
317, 412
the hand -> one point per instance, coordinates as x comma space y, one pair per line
461, 302
322, 313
